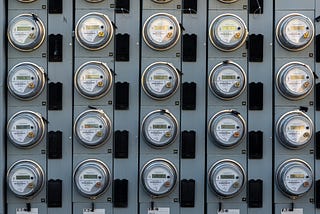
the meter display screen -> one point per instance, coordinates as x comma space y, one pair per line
25, 129
94, 31
227, 80
160, 80
159, 128
228, 32
294, 130
295, 32
226, 178
26, 81
161, 31
93, 80
93, 128
26, 32
25, 178
227, 129
294, 178
92, 178
295, 80
159, 177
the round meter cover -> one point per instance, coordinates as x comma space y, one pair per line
294, 130
92, 128
227, 128
94, 31
161, 1
228, 32
93, 80
227, 80
159, 177
295, 80
161, 31
25, 129
226, 178
25, 178
26, 80
294, 178
94, 1
26, 1
295, 32
160, 80
26, 32
92, 178
227, 1
159, 128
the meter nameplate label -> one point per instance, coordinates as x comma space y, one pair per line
91, 78
226, 179
22, 211
96, 211
296, 130
226, 129
21, 180
22, 79
296, 178
226, 80
91, 29
295, 80
295, 211
160, 210
158, 128
89, 128
228, 211
159, 79
90, 179
158, 178
21, 129
296, 30
22, 31
162, 30
229, 31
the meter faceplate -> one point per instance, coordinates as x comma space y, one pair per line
228, 32
295, 32
94, 31
294, 130
92, 178
25, 178
161, 31
160, 80
159, 128
159, 177
26, 81
26, 32
227, 80
92, 128
226, 178
25, 129
227, 128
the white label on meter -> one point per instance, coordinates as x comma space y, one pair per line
90, 178
22, 179
227, 179
229, 30
297, 29
159, 79
297, 80
162, 30
227, 128
91, 29
91, 78
23, 30
159, 210
91, 127
22, 211
294, 211
295, 178
21, 129
297, 130
22, 80
96, 211
228, 211
227, 79
158, 177
159, 128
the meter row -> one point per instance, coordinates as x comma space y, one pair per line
161, 31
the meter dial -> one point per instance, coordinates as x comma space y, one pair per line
228, 32
294, 178
26, 32
160, 80
161, 1
93, 80
227, 80
227, 128
227, 178
161, 31
295, 80
25, 129
159, 177
294, 129
92, 178
159, 128
94, 31
92, 128
26, 80
295, 32
227, 1
25, 178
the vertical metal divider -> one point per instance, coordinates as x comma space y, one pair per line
273, 108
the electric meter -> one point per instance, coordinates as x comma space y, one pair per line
94, 31
294, 129
228, 32
295, 32
26, 80
25, 129
227, 80
92, 178
159, 177
93, 80
25, 178
159, 128
161, 1
26, 32
226, 178
227, 1
160, 80
92, 128
227, 128
294, 178
161, 31
295, 80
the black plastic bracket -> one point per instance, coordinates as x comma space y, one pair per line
54, 193
55, 6
123, 47
122, 6
120, 193
122, 96
55, 48
256, 96
317, 48
255, 145
121, 143
255, 191
55, 96
317, 98
189, 48
256, 6
317, 194
187, 193
256, 48
190, 6
55, 145
317, 146
189, 96
188, 145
